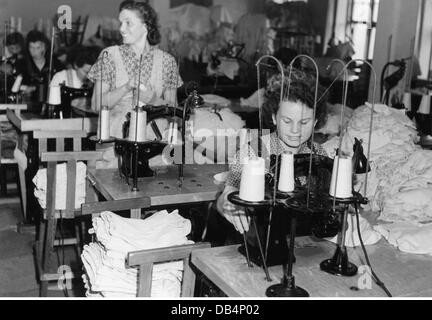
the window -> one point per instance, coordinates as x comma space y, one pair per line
361, 26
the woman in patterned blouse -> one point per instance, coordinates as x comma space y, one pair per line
294, 121
116, 71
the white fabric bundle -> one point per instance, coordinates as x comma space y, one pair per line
104, 261
368, 234
213, 99
333, 124
207, 124
40, 182
255, 100
408, 237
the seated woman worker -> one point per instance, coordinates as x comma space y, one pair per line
294, 121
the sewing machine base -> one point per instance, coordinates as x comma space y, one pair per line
339, 264
286, 289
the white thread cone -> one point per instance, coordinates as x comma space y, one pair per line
137, 129
286, 174
407, 101
252, 180
341, 180
104, 124
54, 97
17, 84
425, 104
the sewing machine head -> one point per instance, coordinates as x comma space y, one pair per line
133, 155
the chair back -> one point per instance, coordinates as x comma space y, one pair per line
71, 159
59, 136
145, 259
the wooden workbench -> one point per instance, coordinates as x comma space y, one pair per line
163, 189
26, 122
404, 274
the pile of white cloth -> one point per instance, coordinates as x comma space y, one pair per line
104, 261
211, 129
392, 142
40, 182
368, 234
399, 185
408, 237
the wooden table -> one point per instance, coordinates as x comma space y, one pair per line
163, 189
26, 122
403, 274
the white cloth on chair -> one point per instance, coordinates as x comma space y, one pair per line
104, 261
40, 182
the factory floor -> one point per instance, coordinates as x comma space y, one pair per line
17, 268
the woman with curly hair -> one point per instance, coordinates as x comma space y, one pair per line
116, 71
294, 121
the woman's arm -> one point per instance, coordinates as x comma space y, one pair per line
109, 98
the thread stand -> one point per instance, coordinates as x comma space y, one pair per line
288, 288
339, 264
299, 202
234, 198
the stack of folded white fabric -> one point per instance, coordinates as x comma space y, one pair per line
393, 141
400, 182
104, 261
40, 182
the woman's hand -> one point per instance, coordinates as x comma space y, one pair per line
146, 95
236, 215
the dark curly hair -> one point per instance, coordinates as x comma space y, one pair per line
302, 89
35, 36
148, 15
15, 38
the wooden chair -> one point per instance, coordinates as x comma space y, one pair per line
5, 162
47, 268
60, 136
145, 259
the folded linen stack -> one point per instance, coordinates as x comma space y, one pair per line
40, 182
104, 261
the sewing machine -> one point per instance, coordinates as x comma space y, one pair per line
134, 156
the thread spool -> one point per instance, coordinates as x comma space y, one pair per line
341, 180
137, 127
173, 133
424, 107
252, 180
54, 97
104, 124
17, 84
286, 175
407, 101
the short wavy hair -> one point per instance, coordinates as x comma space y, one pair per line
302, 89
148, 15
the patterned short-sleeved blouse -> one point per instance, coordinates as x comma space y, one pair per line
271, 145
105, 65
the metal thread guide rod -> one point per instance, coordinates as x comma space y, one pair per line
339, 263
6, 26
136, 146
281, 70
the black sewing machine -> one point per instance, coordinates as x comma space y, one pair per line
318, 221
134, 156
321, 219
64, 110
129, 163
69, 94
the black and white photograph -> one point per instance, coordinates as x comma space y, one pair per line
223, 158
